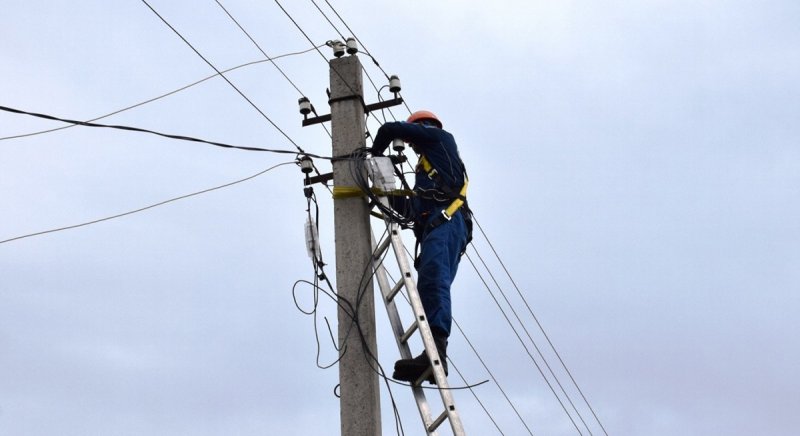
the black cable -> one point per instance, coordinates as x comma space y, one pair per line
486, 367
535, 363
266, 55
472, 391
150, 100
257, 45
146, 207
357, 38
344, 38
318, 51
541, 328
165, 135
223, 76
366, 51
535, 345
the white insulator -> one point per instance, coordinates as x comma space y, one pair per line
394, 84
352, 46
306, 165
305, 105
338, 48
398, 145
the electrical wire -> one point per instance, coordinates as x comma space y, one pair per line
475, 395
366, 51
369, 78
225, 78
494, 379
165, 135
318, 51
357, 38
267, 56
347, 310
329, 21
541, 328
150, 100
535, 345
161, 203
535, 363
486, 367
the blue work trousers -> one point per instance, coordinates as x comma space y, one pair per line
440, 252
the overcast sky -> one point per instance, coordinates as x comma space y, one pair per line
636, 164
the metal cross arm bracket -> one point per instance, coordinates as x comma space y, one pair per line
367, 108
322, 178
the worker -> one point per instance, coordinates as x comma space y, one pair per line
442, 238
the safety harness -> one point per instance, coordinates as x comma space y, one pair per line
459, 199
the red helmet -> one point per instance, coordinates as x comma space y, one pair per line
423, 116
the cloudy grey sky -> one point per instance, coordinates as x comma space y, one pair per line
635, 163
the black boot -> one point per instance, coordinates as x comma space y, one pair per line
411, 370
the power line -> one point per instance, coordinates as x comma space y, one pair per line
535, 345
535, 363
165, 135
150, 100
318, 51
328, 20
257, 45
366, 51
344, 38
161, 203
472, 391
266, 55
223, 76
357, 38
541, 328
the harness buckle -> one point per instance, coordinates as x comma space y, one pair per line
445, 215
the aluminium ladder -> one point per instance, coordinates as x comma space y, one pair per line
419, 325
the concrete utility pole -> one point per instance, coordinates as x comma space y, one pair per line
359, 385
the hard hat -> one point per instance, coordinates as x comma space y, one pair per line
424, 115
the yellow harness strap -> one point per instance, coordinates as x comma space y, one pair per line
352, 191
432, 173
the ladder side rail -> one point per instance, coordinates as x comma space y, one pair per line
425, 331
398, 331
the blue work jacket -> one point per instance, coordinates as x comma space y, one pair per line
440, 149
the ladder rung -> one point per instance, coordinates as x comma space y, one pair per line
399, 285
409, 332
435, 424
381, 248
428, 372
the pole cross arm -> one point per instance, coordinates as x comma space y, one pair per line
367, 108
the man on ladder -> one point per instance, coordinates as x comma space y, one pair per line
442, 224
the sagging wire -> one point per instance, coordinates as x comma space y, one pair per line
153, 132
167, 94
535, 363
365, 51
485, 367
350, 310
315, 253
535, 345
264, 115
356, 159
541, 328
161, 203
235, 21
